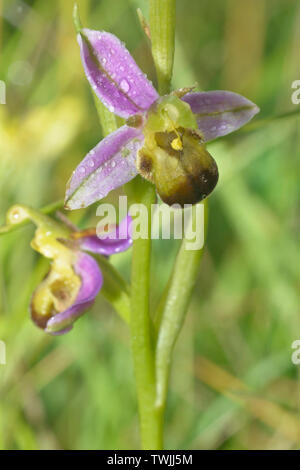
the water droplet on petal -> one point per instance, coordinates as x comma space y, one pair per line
113, 164
92, 163
124, 85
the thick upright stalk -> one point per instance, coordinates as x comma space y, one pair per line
141, 337
162, 31
162, 27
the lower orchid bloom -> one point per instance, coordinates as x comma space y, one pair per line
163, 138
74, 278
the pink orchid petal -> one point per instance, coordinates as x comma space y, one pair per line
116, 241
114, 75
109, 165
220, 112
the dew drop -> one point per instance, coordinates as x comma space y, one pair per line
113, 164
92, 163
124, 85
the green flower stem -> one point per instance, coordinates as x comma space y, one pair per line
76, 19
49, 209
173, 310
162, 27
107, 119
115, 290
141, 334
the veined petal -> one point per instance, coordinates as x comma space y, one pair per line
220, 112
114, 75
91, 282
109, 165
116, 241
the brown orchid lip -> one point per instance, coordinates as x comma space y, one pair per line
193, 189
183, 171
40, 320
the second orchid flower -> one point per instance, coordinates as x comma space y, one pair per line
74, 279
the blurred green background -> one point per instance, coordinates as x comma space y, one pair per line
233, 383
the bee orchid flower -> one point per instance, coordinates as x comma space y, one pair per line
74, 278
163, 138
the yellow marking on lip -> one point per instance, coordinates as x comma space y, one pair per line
176, 144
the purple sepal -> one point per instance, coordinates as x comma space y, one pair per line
109, 165
91, 282
220, 112
116, 241
114, 75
